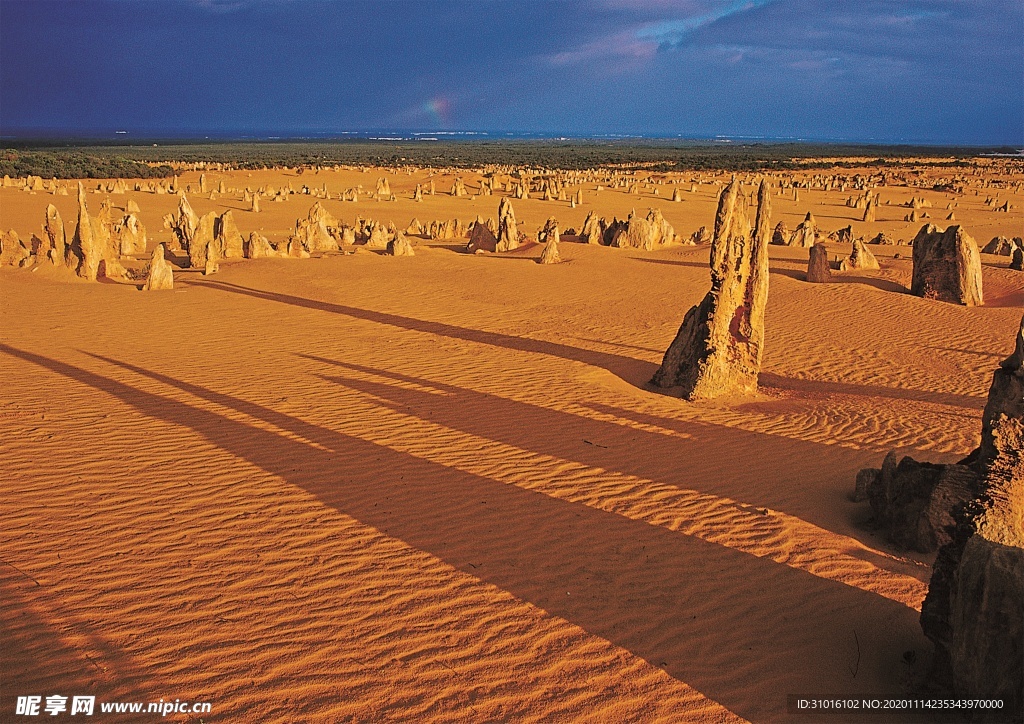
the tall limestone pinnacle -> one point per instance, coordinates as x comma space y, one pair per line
718, 348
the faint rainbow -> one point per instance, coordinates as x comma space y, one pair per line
438, 108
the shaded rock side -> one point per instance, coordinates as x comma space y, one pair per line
974, 610
400, 246
913, 502
481, 239
818, 269
947, 266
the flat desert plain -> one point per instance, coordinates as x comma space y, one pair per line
439, 488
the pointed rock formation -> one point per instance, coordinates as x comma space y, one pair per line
1000, 246
296, 250
400, 246
860, 258
229, 238
947, 266
780, 236
549, 231
161, 274
869, 210
806, 234
508, 231
701, 236
317, 231
85, 252
378, 236
593, 229
202, 239
53, 235
130, 236
184, 223
481, 239
818, 269
550, 254
645, 233
13, 251
258, 247
718, 348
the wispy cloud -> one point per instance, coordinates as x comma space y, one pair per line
639, 42
672, 33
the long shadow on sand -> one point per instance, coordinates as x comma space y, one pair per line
642, 587
674, 262
636, 372
884, 284
691, 460
822, 387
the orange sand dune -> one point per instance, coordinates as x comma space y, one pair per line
437, 488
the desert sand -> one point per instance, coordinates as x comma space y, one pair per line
440, 488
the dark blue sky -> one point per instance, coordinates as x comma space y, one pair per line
884, 70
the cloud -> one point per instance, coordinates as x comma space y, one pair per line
672, 33
649, 32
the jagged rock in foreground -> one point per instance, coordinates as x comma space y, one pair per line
974, 611
718, 348
1005, 399
818, 269
161, 274
860, 258
913, 502
947, 266
1017, 264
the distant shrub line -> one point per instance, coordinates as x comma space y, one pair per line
74, 164
151, 161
